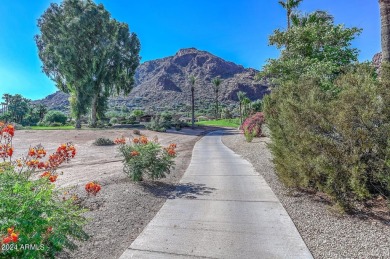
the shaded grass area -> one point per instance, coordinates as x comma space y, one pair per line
52, 128
233, 123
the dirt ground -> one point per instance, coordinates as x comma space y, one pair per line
120, 211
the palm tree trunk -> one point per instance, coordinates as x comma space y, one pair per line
288, 19
385, 29
217, 115
193, 107
240, 112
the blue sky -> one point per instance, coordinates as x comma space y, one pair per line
236, 30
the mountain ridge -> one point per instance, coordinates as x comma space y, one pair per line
163, 82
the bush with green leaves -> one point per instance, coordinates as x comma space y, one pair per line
39, 215
144, 158
32, 210
334, 143
55, 117
157, 124
114, 120
329, 117
103, 142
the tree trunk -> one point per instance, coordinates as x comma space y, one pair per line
193, 106
78, 122
385, 29
94, 111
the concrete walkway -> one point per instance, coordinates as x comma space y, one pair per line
223, 209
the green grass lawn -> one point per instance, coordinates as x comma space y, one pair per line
233, 123
52, 128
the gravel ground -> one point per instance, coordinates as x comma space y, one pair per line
123, 208
326, 233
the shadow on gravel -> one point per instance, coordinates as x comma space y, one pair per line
179, 190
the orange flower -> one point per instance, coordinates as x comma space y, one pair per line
10, 151
136, 140
121, 140
14, 237
53, 178
134, 153
46, 174
171, 152
144, 140
10, 230
92, 188
31, 152
172, 146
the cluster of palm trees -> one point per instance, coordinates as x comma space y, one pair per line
216, 84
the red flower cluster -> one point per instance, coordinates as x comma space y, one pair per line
92, 188
11, 237
120, 140
7, 130
253, 124
6, 150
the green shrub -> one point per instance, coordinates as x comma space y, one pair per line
55, 117
249, 135
39, 214
143, 157
334, 140
42, 124
103, 142
114, 120
156, 124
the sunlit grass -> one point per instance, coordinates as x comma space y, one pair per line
233, 123
52, 128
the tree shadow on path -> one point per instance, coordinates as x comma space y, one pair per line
178, 190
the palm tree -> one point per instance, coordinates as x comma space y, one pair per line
384, 6
42, 110
289, 5
312, 18
246, 102
241, 96
216, 82
192, 81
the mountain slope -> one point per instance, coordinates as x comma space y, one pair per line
164, 82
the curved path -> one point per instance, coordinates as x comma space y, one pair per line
223, 209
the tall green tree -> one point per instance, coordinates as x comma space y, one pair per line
241, 96
88, 54
384, 6
192, 81
41, 110
216, 83
289, 6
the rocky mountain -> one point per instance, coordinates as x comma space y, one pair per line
163, 82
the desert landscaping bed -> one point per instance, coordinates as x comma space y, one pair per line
121, 210
327, 234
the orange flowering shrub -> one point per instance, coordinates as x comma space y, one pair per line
144, 157
32, 205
